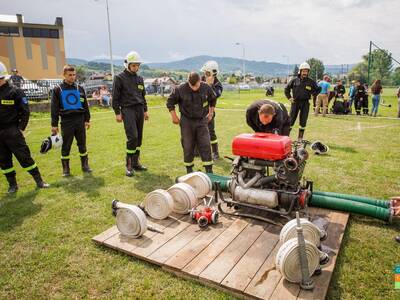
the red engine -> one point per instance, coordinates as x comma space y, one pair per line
266, 146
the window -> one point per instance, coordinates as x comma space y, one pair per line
41, 32
9, 31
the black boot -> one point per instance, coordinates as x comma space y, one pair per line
65, 166
137, 166
215, 154
189, 169
85, 164
301, 134
38, 179
208, 169
129, 165
12, 183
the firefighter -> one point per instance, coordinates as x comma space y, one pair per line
69, 103
196, 101
359, 96
299, 91
268, 116
14, 117
365, 101
210, 70
340, 105
130, 107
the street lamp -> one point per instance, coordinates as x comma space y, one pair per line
109, 39
288, 67
243, 60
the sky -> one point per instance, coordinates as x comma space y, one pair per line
285, 31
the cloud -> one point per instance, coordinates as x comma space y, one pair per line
335, 31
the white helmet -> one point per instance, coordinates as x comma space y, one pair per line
54, 141
3, 71
210, 66
132, 58
304, 66
319, 148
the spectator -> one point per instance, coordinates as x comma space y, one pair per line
352, 93
376, 90
105, 96
398, 99
323, 96
96, 95
16, 79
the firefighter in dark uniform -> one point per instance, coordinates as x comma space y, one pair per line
340, 105
14, 117
210, 70
268, 116
196, 101
70, 103
365, 101
359, 96
299, 91
130, 106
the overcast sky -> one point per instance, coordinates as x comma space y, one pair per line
336, 31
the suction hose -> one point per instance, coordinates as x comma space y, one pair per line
371, 201
377, 212
224, 181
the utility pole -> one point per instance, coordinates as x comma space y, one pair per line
243, 60
109, 41
369, 61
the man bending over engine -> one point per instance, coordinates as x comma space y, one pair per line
268, 116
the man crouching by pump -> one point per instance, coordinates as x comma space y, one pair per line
196, 101
268, 116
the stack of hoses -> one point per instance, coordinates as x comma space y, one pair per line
288, 259
199, 181
131, 220
311, 232
158, 204
184, 198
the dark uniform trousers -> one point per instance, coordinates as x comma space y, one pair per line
194, 132
73, 126
302, 106
133, 117
12, 142
211, 129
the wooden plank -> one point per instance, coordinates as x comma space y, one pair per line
100, 238
336, 230
227, 259
198, 244
266, 279
285, 290
176, 243
128, 244
150, 245
244, 271
204, 258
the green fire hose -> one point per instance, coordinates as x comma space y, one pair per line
223, 181
351, 206
376, 202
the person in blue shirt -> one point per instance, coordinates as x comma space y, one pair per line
323, 96
352, 93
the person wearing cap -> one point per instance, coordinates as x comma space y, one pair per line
69, 102
14, 117
130, 107
210, 70
323, 96
299, 91
196, 101
268, 116
16, 79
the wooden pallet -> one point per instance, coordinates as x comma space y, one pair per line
237, 255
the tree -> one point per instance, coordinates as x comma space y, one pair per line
317, 68
80, 73
232, 79
381, 65
395, 78
295, 70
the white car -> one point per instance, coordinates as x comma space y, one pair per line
244, 87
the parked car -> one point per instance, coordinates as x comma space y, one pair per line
33, 91
244, 87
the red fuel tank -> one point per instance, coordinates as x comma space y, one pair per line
267, 146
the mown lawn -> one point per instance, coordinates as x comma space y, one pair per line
45, 235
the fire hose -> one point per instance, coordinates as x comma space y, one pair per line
311, 232
184, 198
158, 204
199, 181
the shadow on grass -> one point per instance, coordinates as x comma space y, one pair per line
343, 149
225, 164
147, 181
89, 184
14, 209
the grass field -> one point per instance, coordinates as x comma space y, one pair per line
45, 235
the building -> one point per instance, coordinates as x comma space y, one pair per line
36, 50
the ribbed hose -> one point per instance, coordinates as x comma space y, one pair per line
371, 201
351, 206
223, 181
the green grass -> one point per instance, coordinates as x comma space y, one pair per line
45, 235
